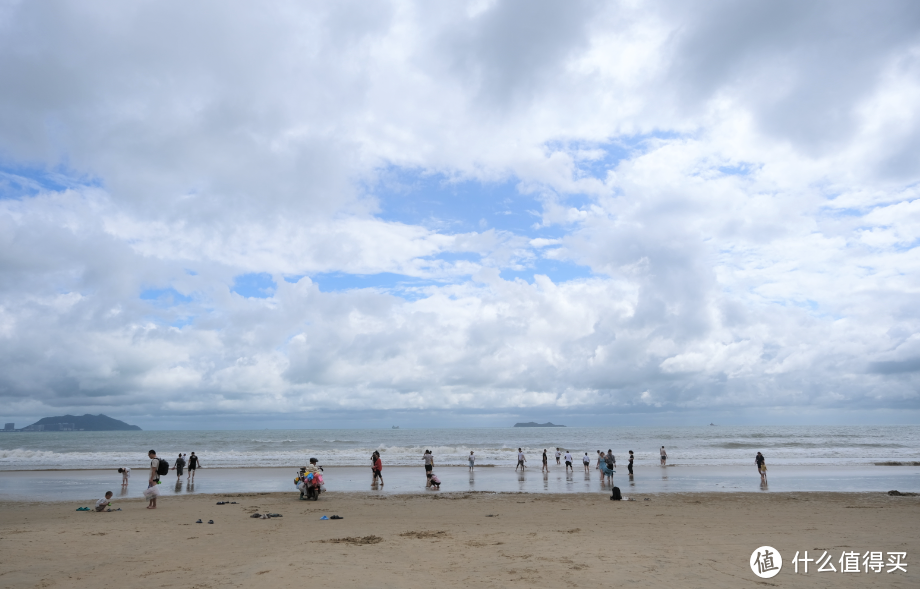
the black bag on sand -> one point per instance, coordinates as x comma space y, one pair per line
616, 496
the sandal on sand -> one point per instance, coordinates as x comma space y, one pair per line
210, 521
256, 515
279, 515
336, 517
199, 522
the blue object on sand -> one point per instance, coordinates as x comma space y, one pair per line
324, 517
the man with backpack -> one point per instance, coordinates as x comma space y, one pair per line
157, 467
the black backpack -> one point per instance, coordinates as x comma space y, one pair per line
163, 468
616, 495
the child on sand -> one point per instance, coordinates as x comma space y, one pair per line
104, 503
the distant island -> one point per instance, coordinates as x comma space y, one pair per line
535, 424
72, 423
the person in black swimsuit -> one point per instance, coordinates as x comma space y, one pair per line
193, 465
629, 466
760, 461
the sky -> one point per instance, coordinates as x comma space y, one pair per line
358, 214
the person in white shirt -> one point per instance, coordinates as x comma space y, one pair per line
558, 455
568, 460
103, 503
125, 475
521, 460
664, 456
154, 478
587, 462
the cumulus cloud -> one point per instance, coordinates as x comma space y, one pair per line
737, 182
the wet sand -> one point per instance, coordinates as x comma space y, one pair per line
85, 484
441, 539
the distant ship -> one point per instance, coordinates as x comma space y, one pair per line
395, 427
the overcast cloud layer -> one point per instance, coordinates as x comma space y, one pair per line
483, 208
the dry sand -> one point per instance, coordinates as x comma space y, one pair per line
450, 540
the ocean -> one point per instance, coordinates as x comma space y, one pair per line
686, 446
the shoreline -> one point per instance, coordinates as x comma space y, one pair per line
72, 485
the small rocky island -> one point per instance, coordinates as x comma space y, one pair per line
535, 424
73, 423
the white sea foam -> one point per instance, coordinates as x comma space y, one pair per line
685, 446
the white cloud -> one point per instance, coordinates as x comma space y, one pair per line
740, 179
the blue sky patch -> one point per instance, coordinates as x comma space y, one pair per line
254, 285
23, 181
164, 297
558, 271
338, 282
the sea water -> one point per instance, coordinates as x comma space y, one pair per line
686, 446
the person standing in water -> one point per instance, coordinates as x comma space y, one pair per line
599, 458
521, 460
568, 461
545, 465
179, 467
630, 464
558, 456
428, 457
586, 461
664, 456
472, 460
761, 463
193, 465
378, 468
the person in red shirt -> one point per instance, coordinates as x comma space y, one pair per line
378, 468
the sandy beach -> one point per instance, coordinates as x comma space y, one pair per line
453, 540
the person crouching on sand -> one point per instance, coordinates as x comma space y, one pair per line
104, 503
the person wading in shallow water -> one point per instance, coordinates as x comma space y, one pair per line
761, 463
521, 460
428, 457
193, 465
545, 465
